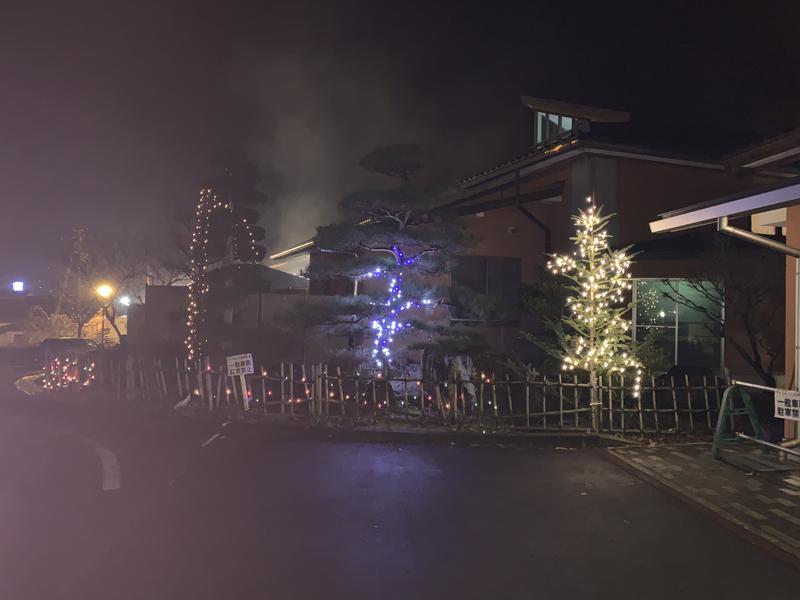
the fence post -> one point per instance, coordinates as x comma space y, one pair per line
219, 387
705, 397
527, 401
689, 402
178, 377
326, 385
480, 398
357, 396
454, 395
291, 390
422, 400
209, 388
544, 401
200, 387
494, 402
374, 399
576, 400
510, 401
639, 409
405, 396
675, 405
264, 390
655, 403
283, 385
342, 411
235, 391
306, 394
387, 398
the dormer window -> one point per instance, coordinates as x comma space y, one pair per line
554, 120
549, 128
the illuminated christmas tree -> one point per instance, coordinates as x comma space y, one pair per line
596, 335
223, 231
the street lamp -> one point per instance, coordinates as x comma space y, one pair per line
104, 291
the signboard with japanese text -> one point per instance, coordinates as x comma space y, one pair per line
787, 405
240, 364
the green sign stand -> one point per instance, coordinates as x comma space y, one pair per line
728, 409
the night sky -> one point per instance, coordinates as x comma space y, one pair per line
113, 113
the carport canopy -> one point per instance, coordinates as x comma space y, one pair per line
752, 202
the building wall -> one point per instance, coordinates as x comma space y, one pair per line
647, 189
635, 190
793, 239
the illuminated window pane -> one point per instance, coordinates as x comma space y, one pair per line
654, 306
540, 125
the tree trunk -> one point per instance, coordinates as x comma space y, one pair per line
594, 401
112, 321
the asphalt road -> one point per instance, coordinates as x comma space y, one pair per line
190, 515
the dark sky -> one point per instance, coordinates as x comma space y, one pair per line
113, 113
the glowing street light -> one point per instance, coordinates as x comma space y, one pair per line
18, 286
104, 291
125, 300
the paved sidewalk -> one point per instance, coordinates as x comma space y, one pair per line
763, 506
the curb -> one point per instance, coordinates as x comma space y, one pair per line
770, 544
541, 440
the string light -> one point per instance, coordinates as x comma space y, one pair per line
600, 278
62, 373
387, 326
196, 312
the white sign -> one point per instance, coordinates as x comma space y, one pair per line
240, 364
787, 405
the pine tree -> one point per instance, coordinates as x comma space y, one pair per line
397, 236
596, 335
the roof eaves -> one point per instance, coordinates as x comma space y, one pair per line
741, 204
297, 249
522, 160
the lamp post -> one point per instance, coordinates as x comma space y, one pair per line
104, 292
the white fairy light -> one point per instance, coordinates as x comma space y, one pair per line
600, 278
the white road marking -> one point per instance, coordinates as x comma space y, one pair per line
211, 440
112, 474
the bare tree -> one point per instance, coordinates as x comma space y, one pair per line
740, 292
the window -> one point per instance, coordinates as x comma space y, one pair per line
683, 320
549, 128
489, 287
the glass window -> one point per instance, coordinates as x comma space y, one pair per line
470, 272
495, 278
549, 128
552, 127
540, 126
684, 317
654, 304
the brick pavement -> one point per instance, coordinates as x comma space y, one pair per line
763, 506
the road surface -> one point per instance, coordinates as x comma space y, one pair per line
118, 504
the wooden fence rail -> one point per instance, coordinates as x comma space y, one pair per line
324, 393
